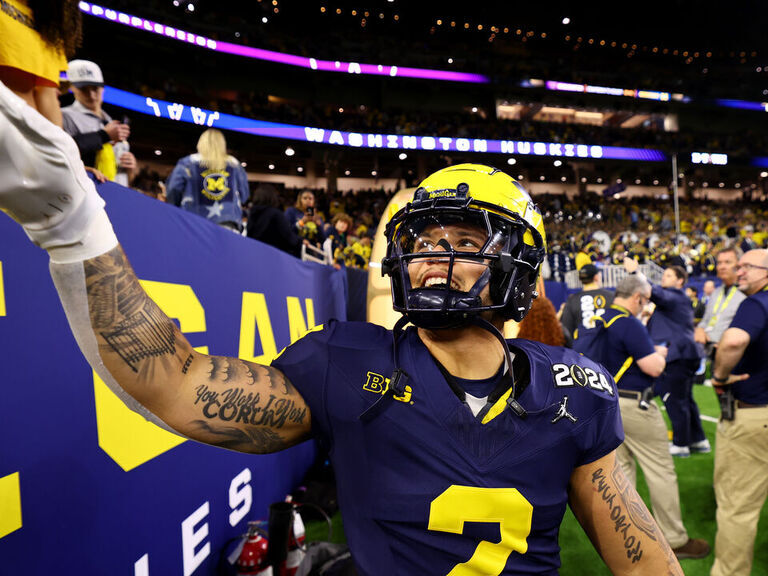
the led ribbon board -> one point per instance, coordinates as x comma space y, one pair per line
279, 57
203, 117
588, 89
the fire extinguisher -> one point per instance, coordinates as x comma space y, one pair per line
253, 559
296, 543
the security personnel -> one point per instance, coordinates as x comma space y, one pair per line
672, 324
741, 466
623, 346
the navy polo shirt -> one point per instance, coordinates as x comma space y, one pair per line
626, 338
752, 317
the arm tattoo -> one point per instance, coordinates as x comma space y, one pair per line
238, 405
243, 415
132, 325
631, 518
636, 508
241, 405
227, 370
143, 335
254, 439
618, 512
187, 364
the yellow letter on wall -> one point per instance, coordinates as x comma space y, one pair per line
298, 327
2, 292
10, 504
254, 317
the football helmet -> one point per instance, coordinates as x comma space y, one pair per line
469, 227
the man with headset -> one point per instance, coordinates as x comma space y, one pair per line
453, 449
621, 343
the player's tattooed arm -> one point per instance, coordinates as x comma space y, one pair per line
618, 522
223, 401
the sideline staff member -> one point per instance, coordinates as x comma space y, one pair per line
722, 303
622, 344
672, 322
581, 308
741, 447
451, 447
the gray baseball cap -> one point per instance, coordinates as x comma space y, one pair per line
84, 73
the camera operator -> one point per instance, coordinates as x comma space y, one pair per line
623, 346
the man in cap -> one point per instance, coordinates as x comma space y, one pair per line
582, 307
102, 141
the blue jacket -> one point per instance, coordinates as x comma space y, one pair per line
672, 323
217, 195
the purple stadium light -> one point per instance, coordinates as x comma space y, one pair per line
743, 105
311, 134
279, 57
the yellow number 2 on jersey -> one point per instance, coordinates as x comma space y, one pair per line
505, 506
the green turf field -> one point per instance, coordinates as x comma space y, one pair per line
697, 499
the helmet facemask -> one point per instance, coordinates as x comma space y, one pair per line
452, 258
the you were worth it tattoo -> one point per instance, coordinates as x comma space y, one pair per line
240, 406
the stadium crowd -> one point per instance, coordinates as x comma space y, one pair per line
587, 228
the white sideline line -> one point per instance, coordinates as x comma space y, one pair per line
702, 416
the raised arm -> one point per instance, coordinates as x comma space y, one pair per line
135, 348
617, 521
223, 401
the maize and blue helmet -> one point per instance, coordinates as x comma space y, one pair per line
474, 215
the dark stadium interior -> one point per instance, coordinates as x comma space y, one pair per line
698, 51
640, 132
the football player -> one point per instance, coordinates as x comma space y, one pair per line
455, 451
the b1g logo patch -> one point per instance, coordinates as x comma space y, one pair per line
567, 375
378, 384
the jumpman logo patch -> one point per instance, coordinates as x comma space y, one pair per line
562, 412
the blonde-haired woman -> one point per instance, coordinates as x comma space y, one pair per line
210, 183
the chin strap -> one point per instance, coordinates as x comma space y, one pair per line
512, 402
396, 385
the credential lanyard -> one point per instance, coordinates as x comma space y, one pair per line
717, 309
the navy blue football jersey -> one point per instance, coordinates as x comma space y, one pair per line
425, 487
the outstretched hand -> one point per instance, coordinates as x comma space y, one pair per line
45, 187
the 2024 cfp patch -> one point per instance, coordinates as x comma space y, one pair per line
568, 375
